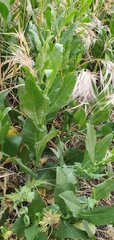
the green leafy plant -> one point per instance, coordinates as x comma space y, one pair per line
79, 215
91, 162
56, 97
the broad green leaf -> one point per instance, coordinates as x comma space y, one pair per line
103, 190
36, 206
24, 155
67, 34
85, 226
63, 183
56, 57
11, 145
99, 215
41, 236
71, 201
110, 124
73, 155
48, 176
80, 118
54, 89
99, 116
9, 15
3, 10
19, 227
63, 95
31, 232
106, 130
102, 146
34, 101
89, 155
70, 174
3, 132
90, 142
87, 163
30, 134
67, 230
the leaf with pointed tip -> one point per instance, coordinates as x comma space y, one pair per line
71, 201
63, 95
68, 33
36, 206
34, 101
30, 134
4, 10
63, 183
56, 57
103, 190
67, 230
99, 215
102, 146
19, 227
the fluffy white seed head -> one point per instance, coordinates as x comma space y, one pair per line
84, 90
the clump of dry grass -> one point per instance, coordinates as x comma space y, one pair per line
16, 57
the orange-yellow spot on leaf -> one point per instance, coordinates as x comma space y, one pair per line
12, 132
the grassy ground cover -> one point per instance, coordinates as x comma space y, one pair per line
56, 119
